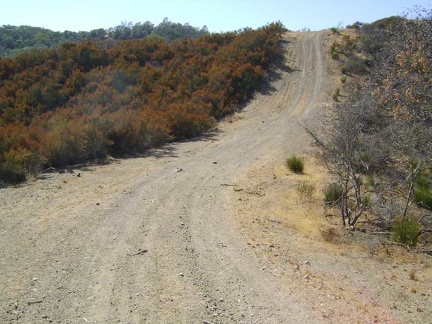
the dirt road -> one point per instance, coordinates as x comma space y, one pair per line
155, 239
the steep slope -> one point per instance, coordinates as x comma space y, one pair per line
155, 239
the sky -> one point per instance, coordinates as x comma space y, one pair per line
217, 15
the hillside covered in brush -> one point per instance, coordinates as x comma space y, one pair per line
86, 100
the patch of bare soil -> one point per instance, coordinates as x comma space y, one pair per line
205, 231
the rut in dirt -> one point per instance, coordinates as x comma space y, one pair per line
169, 249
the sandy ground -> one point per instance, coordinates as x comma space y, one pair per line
205, 231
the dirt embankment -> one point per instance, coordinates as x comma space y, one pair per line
187, 234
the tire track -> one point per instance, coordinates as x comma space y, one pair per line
197, 267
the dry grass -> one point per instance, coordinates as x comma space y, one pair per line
303, 215
295, 225
305, 188
295, 200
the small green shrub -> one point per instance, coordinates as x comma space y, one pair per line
334, 53
353, 66
370, 182
306, 189
332, 193
336, 94
423, 197
344, 69
366, 201
335, 56
344, 79
295, 164
423, 192
406, 231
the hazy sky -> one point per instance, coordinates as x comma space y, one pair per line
218, 15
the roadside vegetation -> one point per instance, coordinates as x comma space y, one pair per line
377, 139
83, 101
295, 164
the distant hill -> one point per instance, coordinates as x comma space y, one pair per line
18, 39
